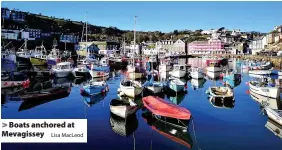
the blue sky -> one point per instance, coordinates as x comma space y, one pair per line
164, 16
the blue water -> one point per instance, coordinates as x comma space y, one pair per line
241, 127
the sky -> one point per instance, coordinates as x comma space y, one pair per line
163, 16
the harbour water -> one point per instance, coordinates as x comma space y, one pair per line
238, 125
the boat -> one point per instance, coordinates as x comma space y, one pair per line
62, 69
91, 100
214, 67
176, 85
160, 107
153, 86
220, 92
260, 66
122, 108
99, 74
280, 73
130, 88
135, 72
213, 75
102, 65
95, 87
222, 102
176, 98
198, 83
263, 100
123, 127
170, 128
62, 82
8, 61
274, 127
80, 72
197, 73
274, 114
13, 79
262, 89
42, 71
33, 99
261, 72
38, 57
178, 71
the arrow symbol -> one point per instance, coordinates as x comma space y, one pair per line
4, 125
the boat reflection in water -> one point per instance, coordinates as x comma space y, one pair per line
124, 127
80, 81
198, 83
33, 99
62, 82
274, 127
171, 128
94, 99
266, 101
176, 98
220, 102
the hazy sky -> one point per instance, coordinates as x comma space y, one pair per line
164, 16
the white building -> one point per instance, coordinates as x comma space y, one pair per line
179, 47
10, 34
258, 45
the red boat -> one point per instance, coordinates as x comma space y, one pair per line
160, 107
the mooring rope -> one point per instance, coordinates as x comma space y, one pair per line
195, 134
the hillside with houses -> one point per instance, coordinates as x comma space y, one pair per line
18, 26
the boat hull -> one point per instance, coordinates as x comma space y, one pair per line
261, 72
271, 92
62, 73
123, 111
37, 61
155, 89
197, 75
274, 115
79, 74
178, 73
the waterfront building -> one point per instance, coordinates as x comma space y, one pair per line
165, 44
69, 38
45, 34
86, 49
107, 45
34, 33
212, 46
18, 15
258, 44
179, 47
10, 34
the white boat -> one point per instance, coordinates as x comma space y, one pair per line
62, 69
99, 74
176, 85
197, 73
214, 67
261, 72
263, 100
213, 75
130, 88
153, 86
221, 92
178, 71
80, 72
122, 108
264, 90
198, 83
275, 115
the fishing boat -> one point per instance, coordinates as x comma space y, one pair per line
214, 67
178, 71
261, 72
80, 72
62, 69
124, 127
262, 89
263, 100
220, 92
160, 107
122, 108
102, 65
130, 88
54, 56
275, 115
13, 79
197, 73
38, 58
176, 85
274, 127
172, 129
94, 88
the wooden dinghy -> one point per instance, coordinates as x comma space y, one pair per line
224, 92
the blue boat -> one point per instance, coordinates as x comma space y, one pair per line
94, 88
92, 100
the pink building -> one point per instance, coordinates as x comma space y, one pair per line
212, 46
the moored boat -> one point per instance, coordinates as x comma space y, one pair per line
264, 90
178, 71
62, 69
80, 72
197, 73
161, 107
122, 108
221, 92
214, 67
94, 88
176, 85
261, 72
275, 115
130, 88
